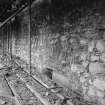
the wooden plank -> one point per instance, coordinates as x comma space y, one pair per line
30, 36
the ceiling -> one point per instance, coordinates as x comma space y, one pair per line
8, 7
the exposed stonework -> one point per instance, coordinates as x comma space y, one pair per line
75, 52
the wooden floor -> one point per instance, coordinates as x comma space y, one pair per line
18, 87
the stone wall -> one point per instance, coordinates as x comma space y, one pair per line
71, 42
53, 40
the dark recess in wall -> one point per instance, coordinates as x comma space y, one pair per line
57, 12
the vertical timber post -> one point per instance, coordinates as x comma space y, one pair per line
9, 29
30, 36
6, 39
3, 39
10, 39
